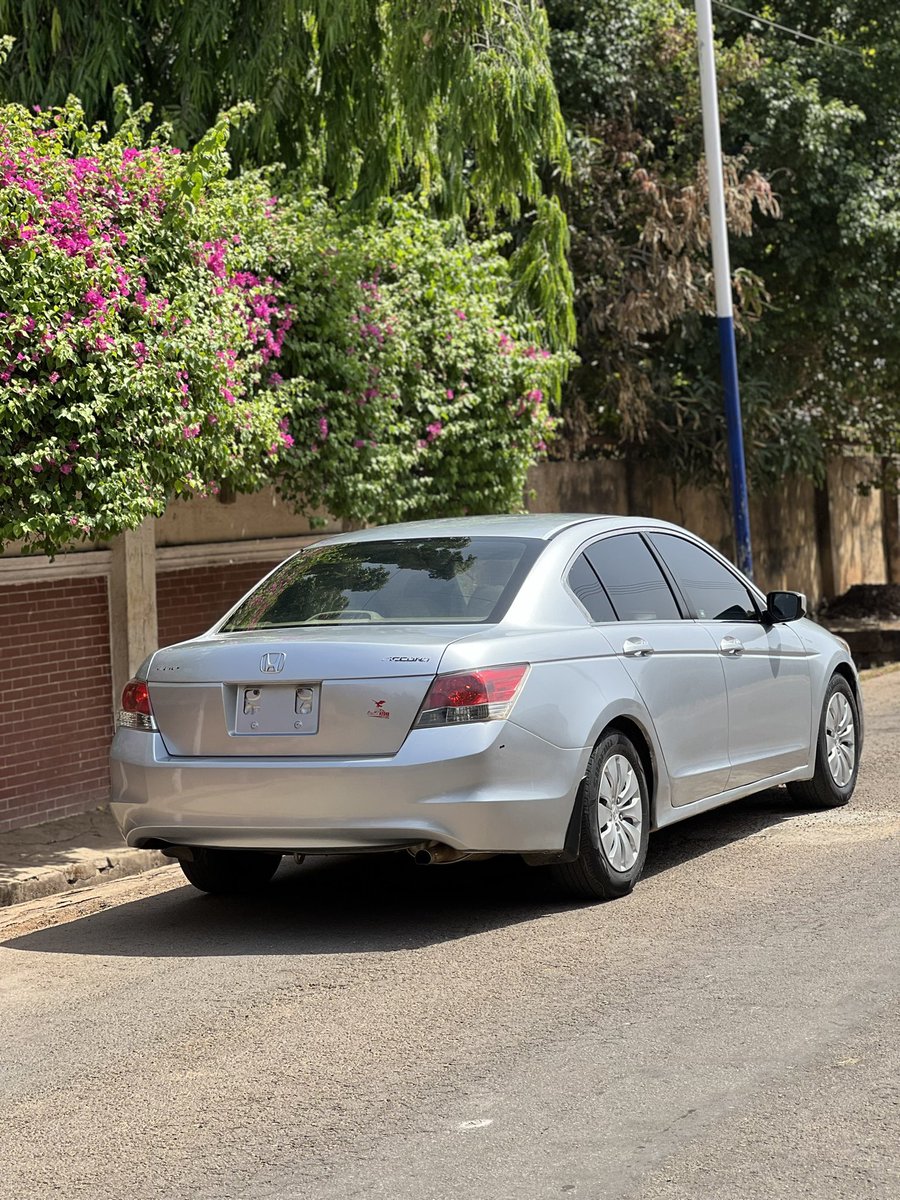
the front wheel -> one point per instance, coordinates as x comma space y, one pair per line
837, 751
229, 871
615, 824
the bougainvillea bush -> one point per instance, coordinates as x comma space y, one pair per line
167, 330
137, 332
422, 396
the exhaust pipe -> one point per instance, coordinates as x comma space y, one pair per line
435, 854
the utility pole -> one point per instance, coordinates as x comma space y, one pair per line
722, 276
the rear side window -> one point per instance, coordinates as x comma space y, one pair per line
632, 579
433, 581
712, 591
587, 587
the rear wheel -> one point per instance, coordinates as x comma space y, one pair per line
837, 751
615, 824
229, 871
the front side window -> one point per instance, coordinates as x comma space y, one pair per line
632, 579
712, 591
469, 580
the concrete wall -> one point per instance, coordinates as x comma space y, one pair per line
262, 515
784, 526
856, 527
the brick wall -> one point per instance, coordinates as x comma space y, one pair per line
190, 600
55, 699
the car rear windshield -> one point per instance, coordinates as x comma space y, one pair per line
433, 581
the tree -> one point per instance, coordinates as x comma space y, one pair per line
454, 98
822, 119
640, 247
810, 135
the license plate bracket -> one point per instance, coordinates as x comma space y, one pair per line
280, 709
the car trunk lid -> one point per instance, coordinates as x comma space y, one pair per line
319, 691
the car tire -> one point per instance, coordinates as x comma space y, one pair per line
224, 872
837, 751
615, 824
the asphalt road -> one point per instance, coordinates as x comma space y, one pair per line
373, 1029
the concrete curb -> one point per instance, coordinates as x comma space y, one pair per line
18, 885
67, 855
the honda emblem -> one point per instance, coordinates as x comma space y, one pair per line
272, 663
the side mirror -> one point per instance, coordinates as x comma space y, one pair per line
784, 606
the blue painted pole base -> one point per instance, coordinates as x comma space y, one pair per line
737, 465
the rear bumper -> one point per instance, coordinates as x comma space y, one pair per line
486, 787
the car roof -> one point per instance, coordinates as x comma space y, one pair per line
530, 525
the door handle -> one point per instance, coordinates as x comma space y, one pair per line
636, 647
731, 646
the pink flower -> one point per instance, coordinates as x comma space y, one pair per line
37, 468
459, 314
435, 429
357, 445
449, 393
66, 468
54, 376
191, 431
212, 418
286, 439
323, 428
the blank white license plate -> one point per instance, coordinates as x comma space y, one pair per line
278, 708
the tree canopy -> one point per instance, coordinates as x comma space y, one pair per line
454, 99
810, 138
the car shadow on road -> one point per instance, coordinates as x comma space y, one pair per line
371, 904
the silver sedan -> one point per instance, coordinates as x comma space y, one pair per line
550, 686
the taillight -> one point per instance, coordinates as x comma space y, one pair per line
484, 695
136, 712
